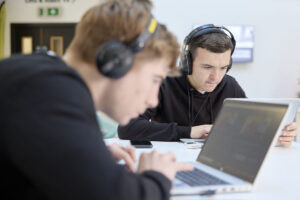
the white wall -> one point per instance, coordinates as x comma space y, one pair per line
276, 67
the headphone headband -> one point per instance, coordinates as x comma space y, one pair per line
114, 58
139, 43
208, 28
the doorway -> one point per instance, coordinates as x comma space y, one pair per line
30, 38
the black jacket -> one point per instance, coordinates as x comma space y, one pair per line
51, 146
180, 107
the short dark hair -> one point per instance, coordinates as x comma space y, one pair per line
214, 42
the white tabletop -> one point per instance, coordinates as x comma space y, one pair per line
279, 178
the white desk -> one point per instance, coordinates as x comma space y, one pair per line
278, 180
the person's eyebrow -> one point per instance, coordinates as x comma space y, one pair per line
207, 65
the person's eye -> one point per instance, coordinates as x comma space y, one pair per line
224, 68
207, 67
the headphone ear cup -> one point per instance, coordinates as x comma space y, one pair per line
114, 59
186, 68
189, 62
230, 65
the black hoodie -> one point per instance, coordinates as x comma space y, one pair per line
180, 107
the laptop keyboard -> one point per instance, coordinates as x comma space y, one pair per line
198, 177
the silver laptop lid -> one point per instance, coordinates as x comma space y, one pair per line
294, 104
241, 137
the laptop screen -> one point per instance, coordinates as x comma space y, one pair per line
241, 137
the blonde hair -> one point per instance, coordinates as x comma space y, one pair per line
121, 20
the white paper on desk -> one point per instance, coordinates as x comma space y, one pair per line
189, 140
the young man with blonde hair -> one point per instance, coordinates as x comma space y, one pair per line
51, 144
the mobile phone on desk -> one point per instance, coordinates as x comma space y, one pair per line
141, 144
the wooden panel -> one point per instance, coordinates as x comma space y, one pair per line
26, 44
57, 44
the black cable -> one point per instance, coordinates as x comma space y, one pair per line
211, 112
188, 90
201, 108
190, 98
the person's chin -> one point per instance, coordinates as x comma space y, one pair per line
127, 119
124, 122
210, 87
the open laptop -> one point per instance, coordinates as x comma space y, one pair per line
294, 104
294, 107
235, 149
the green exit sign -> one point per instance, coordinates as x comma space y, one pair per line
50, 12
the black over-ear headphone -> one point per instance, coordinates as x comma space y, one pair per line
186, 62
114, 58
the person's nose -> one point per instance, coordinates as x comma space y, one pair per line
214, 74
152, 100
217, 74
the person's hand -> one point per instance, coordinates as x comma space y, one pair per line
200, 131
124, 153
288, 134
163, 163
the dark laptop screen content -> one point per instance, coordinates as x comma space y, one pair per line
241, 137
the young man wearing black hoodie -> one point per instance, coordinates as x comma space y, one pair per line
189, 104
51, 144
